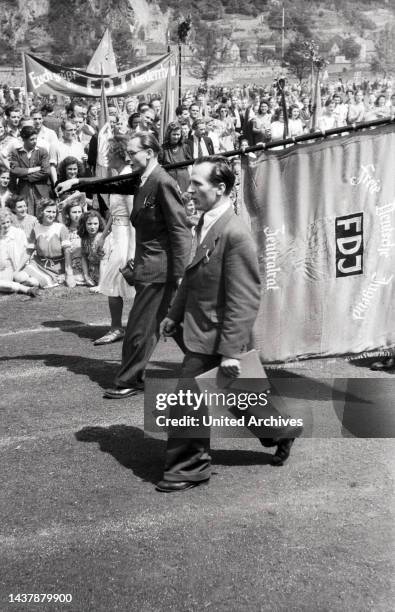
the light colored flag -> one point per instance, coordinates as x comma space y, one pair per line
317, 105
104, 136
103, 59
168, 102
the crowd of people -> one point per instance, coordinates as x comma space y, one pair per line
151, 235
84, 239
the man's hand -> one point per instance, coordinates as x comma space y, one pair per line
230, 367
66, 186
167, 327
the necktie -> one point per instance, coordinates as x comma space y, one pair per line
200, 150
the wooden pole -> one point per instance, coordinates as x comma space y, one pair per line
179, 73
27, 110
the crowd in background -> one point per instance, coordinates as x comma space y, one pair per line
46, 140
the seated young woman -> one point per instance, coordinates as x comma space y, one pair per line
13, 258
51, 263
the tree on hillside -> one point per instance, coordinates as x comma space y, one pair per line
384, 60
204, 63
297, 59
351, 49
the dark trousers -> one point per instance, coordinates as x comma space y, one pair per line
188, 458
150, 307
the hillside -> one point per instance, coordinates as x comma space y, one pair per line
68, 31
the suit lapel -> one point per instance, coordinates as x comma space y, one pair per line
146, 189
206, 247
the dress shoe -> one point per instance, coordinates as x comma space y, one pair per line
167, 486
113, 335
121, 392
284, 444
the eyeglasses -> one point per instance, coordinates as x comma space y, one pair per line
132, 153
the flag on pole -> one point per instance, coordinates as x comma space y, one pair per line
104, 136
103, 59
317, 105
168, 102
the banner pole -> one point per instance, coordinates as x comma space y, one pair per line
179, 73
355, 127
27, 110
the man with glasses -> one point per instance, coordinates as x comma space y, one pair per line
163, 247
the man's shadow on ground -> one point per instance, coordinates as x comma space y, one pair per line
78, 328
144, 455
98, 371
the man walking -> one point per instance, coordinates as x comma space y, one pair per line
163, 246
217, 302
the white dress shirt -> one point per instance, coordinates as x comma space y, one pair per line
211, 216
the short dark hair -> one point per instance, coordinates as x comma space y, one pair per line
42, 205
221, 171
12, 109
132, 118
13, 201
27, 131
148, 140
197, 122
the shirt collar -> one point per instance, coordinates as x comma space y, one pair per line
148, 171
212, 215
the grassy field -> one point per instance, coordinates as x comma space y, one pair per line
79, 513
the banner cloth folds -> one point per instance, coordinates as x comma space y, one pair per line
45, 78
323, 217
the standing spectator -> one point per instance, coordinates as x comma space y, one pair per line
328, 119
30, 170
121, 245
356, 109
46, 138
49, 119
7, 143
13, 115
305, 112
156, 106
295, 123
340, 111
381, 109
261, 123
227, 133
66, 147
175, 150
199, 145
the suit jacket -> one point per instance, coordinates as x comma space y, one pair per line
218, 299
35, 184
208, 142
163, 238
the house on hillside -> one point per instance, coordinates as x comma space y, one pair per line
332, 47
155, 49
368, 49
230, 52
140, 49
247, 51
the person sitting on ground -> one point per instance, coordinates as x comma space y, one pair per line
90, 230
51, 265
71, 215
13, 258
69, 168
21, 219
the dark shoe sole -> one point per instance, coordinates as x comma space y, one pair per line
191, 485
125, 395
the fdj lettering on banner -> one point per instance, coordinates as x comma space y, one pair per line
349, 245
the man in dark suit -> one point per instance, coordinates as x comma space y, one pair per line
217, 302
30, 170
199, 145
163, 246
